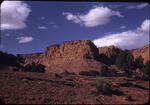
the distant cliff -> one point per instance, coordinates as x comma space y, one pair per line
108, 54
73, 56
79, 55
142, 51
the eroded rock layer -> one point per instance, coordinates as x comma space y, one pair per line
74, 56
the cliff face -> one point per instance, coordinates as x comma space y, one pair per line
29, 58
108, 54
79, 55
142, 51
73, 56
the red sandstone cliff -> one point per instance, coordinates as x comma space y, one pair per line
108, 54
142, 51
79, 55
73, 56
111, 51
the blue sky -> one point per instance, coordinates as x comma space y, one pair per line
28, 27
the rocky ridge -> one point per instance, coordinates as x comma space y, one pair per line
71, 55
79, 55
144, 52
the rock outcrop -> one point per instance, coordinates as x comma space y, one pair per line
73, 56
108, 54
79, 55
29, 58
144, 52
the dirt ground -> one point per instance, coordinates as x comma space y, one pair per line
51, 88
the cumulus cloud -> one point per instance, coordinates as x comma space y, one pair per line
99, 15
127, 40
145, 26
14, 15
24, 39
123, 27
42, 27
140, 6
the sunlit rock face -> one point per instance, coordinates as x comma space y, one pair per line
142, 51
73, 56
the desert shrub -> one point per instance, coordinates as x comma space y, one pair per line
104, 71
125, 61
107, 72
103, 58
129, 97
89, 73
113, 72
145, 71
93, 73
20, 59
103, 85
34, 68
40, 68
84, 73
145, 77
8, 59
139, 62
146, 68
68, 73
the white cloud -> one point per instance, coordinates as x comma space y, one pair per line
128, 39
42, 27
24, 39
99, 15
145, 26
140, 6
14, 15
123, 27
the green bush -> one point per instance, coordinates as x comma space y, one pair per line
145, 71
139, 62
89, 73
34, 68
146, 68
125, 61
104, 71
103, 85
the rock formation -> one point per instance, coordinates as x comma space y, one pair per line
73, 56
108, 54
142, 51
79, 55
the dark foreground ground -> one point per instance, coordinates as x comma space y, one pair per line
42, 88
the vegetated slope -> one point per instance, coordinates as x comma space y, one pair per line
71, 55
108, 54
144, 52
